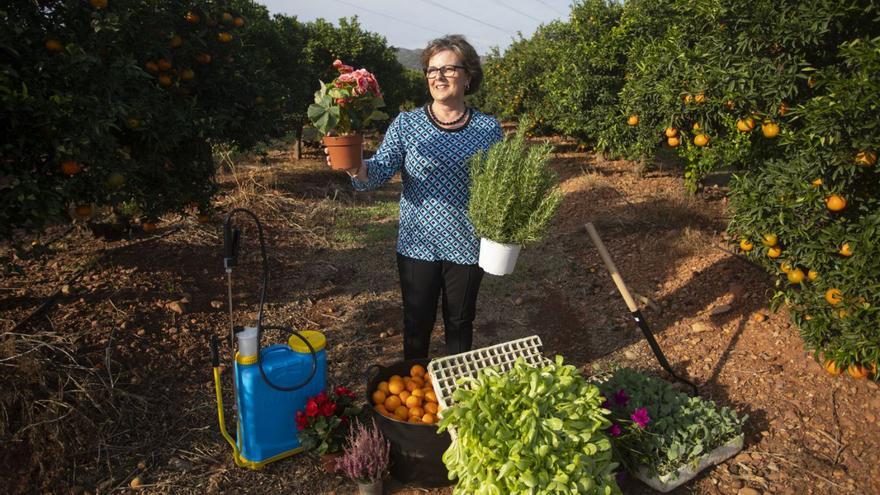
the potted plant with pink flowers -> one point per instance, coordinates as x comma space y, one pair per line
343, 109
367, 458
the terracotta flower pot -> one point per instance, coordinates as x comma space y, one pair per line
346, 152
328, 462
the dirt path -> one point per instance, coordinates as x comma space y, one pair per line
333, 269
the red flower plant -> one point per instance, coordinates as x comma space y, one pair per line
320, 424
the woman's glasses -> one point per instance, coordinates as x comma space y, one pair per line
445, 71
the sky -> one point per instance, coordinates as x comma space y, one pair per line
413, 23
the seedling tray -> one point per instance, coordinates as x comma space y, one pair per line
687, 472
446, 371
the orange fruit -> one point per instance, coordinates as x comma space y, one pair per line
673, 142
402, 413
785, 267
419, 381
841, 313
151, 67
866, 158
227, 17
383, 386
845, 250
774, 252
192, 18
416, 411
98, 4
671, 132
688, 99
833, 296
187, 74
164, 64
396, 386
857, 371
835, 202
414, 420
238, 22
795, 276
770, 129
54, 45
70, 167
745, 125
431, 396
379, 397
696, 126
729, 104
831, 367
701, 140
175, 41
203, 58
395, 378
420, 393
392, 402
633, 120
812, 275
149, 226
700, 98
404, 395
224, 37
411, 385
431, 407
413, 401
133, 123
817, 182
379, 408
746, 245
769, 240
417, 370
165, 80
429, 418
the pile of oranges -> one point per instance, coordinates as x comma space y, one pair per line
410, 399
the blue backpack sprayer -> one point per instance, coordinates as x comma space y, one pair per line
270, 384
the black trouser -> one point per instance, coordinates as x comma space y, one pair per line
421, 282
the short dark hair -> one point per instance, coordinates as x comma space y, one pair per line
465, 52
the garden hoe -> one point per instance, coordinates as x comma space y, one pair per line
631, 304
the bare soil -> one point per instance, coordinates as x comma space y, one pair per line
112, 380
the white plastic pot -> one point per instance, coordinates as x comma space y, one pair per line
687, 472
497, 258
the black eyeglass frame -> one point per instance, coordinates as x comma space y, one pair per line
439, 71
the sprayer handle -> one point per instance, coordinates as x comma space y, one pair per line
215, 352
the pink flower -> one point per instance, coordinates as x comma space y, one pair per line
342, 68
311, 408
641, 418
362, 86
614, 431
620, 398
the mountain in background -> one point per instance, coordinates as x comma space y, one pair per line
410, 58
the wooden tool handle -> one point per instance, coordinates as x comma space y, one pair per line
609, 264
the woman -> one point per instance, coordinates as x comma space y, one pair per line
437, 249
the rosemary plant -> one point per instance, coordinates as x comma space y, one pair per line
514, 194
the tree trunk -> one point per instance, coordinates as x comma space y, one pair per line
297, 147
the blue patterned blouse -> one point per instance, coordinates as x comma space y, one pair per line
436, 185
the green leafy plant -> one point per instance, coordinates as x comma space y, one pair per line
514, 195
349, 103
530, 430
659, 428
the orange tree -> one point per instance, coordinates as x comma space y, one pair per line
813, 216
118, 103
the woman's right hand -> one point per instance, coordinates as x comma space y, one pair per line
352, 172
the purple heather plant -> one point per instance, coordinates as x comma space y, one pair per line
367, 456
